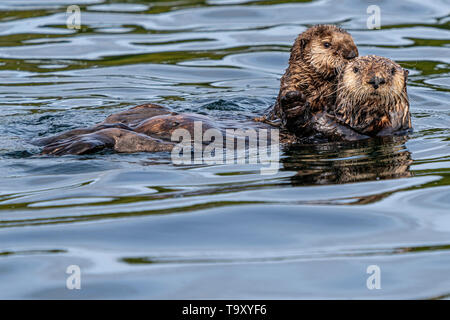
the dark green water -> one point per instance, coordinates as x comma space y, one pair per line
140, 227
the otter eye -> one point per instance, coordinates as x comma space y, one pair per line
355, 70
393, 70
327, 44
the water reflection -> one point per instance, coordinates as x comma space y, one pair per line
142, 228
356, 161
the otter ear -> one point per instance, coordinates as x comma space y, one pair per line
303, 43
298, 48
405, 74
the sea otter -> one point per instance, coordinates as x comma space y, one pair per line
372, 97
144, 128
371, 100
307, 86
309, 83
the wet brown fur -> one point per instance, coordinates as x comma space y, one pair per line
309, 83
144, 128
372, 108
361, 110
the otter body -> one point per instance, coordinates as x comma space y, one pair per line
144, 128
309, 83
326, 94
371, 100
321, 100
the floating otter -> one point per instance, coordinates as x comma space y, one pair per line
144, 128
372, 98
309, 83
371, 101
326, 94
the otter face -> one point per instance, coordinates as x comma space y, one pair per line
374, 75
371, 96
330, 49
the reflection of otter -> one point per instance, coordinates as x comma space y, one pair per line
371, 101
309, 83
351, 161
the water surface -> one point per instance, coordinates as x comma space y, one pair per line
140, 227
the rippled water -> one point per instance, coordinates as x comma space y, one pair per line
140, 227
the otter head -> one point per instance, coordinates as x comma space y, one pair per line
325, 48
371, 96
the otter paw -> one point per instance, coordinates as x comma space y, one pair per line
292, 98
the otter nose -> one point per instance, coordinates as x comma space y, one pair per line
350, 55
376, 81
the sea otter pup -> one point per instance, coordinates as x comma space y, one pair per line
309, 83
371, 101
